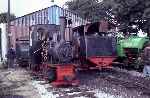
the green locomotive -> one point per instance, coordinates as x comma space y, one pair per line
130, 48
130, 51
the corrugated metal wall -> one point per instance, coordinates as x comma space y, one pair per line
55, 12
20, 26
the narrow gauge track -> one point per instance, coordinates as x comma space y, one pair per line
106, 81
141, 87
123, 79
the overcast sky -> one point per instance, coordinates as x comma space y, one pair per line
22, 7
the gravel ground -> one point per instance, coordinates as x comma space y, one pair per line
116, 83
127, 84
15, 83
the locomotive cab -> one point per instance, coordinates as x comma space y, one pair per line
97, 50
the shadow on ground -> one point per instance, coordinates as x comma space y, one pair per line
9, 91
11, 96
8, 88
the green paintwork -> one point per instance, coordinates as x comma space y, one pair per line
131, 42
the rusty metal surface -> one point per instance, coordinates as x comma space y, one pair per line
20, 26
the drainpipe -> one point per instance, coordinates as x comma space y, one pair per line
8, 24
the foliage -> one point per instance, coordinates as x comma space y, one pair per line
3, 17
124, 11
88, 9
129, 10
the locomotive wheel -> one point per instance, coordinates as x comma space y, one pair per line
139, 61
63, 52
136, 64
68, 78
51, 75
125, 62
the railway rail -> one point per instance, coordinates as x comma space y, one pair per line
118, 81
144, 87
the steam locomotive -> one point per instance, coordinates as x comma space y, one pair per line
62, 52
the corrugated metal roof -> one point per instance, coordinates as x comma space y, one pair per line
48, 15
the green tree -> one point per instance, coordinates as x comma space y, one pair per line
3, 17
89, 9
125, 11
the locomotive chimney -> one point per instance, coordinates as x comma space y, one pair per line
62, 27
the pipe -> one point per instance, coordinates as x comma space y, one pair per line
8, 24
62, 27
